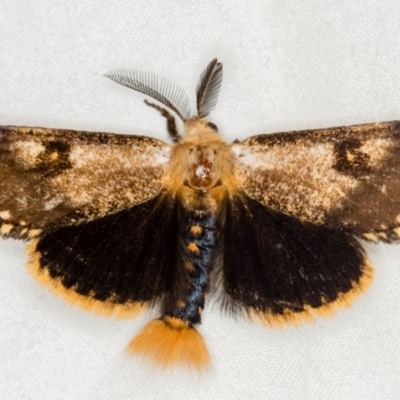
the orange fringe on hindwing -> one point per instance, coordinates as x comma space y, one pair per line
170, 341
87, 303
325, 310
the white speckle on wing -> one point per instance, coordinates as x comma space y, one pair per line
27, 151
5, 215
240, 152
49, 205
162, 156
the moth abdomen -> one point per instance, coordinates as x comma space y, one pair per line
173, 338
198, 241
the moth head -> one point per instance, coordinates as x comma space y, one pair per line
202, 159
174, 97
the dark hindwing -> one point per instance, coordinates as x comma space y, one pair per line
280, 269
346, 177
52, 177
115, 264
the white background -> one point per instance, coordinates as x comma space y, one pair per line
288, 65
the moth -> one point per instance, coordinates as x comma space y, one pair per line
266, 227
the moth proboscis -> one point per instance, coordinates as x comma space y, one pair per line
266, 227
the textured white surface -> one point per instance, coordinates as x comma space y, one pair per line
288, 65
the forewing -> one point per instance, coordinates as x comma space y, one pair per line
54, 177
346, 177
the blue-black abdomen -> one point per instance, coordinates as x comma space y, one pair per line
199, 239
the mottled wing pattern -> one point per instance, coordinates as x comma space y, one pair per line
346, 177
53, 177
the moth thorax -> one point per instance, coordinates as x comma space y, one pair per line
203, 174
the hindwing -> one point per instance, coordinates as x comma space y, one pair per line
280, 269
116, 264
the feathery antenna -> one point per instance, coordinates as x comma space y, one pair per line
208, 88
159, 88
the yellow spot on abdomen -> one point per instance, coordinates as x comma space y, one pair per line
175, 322
189, 266
192, 247
180, 303
196, 230
54, 156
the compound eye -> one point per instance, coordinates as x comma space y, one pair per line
212, 126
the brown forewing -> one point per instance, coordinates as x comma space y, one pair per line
345, 177
54, 177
